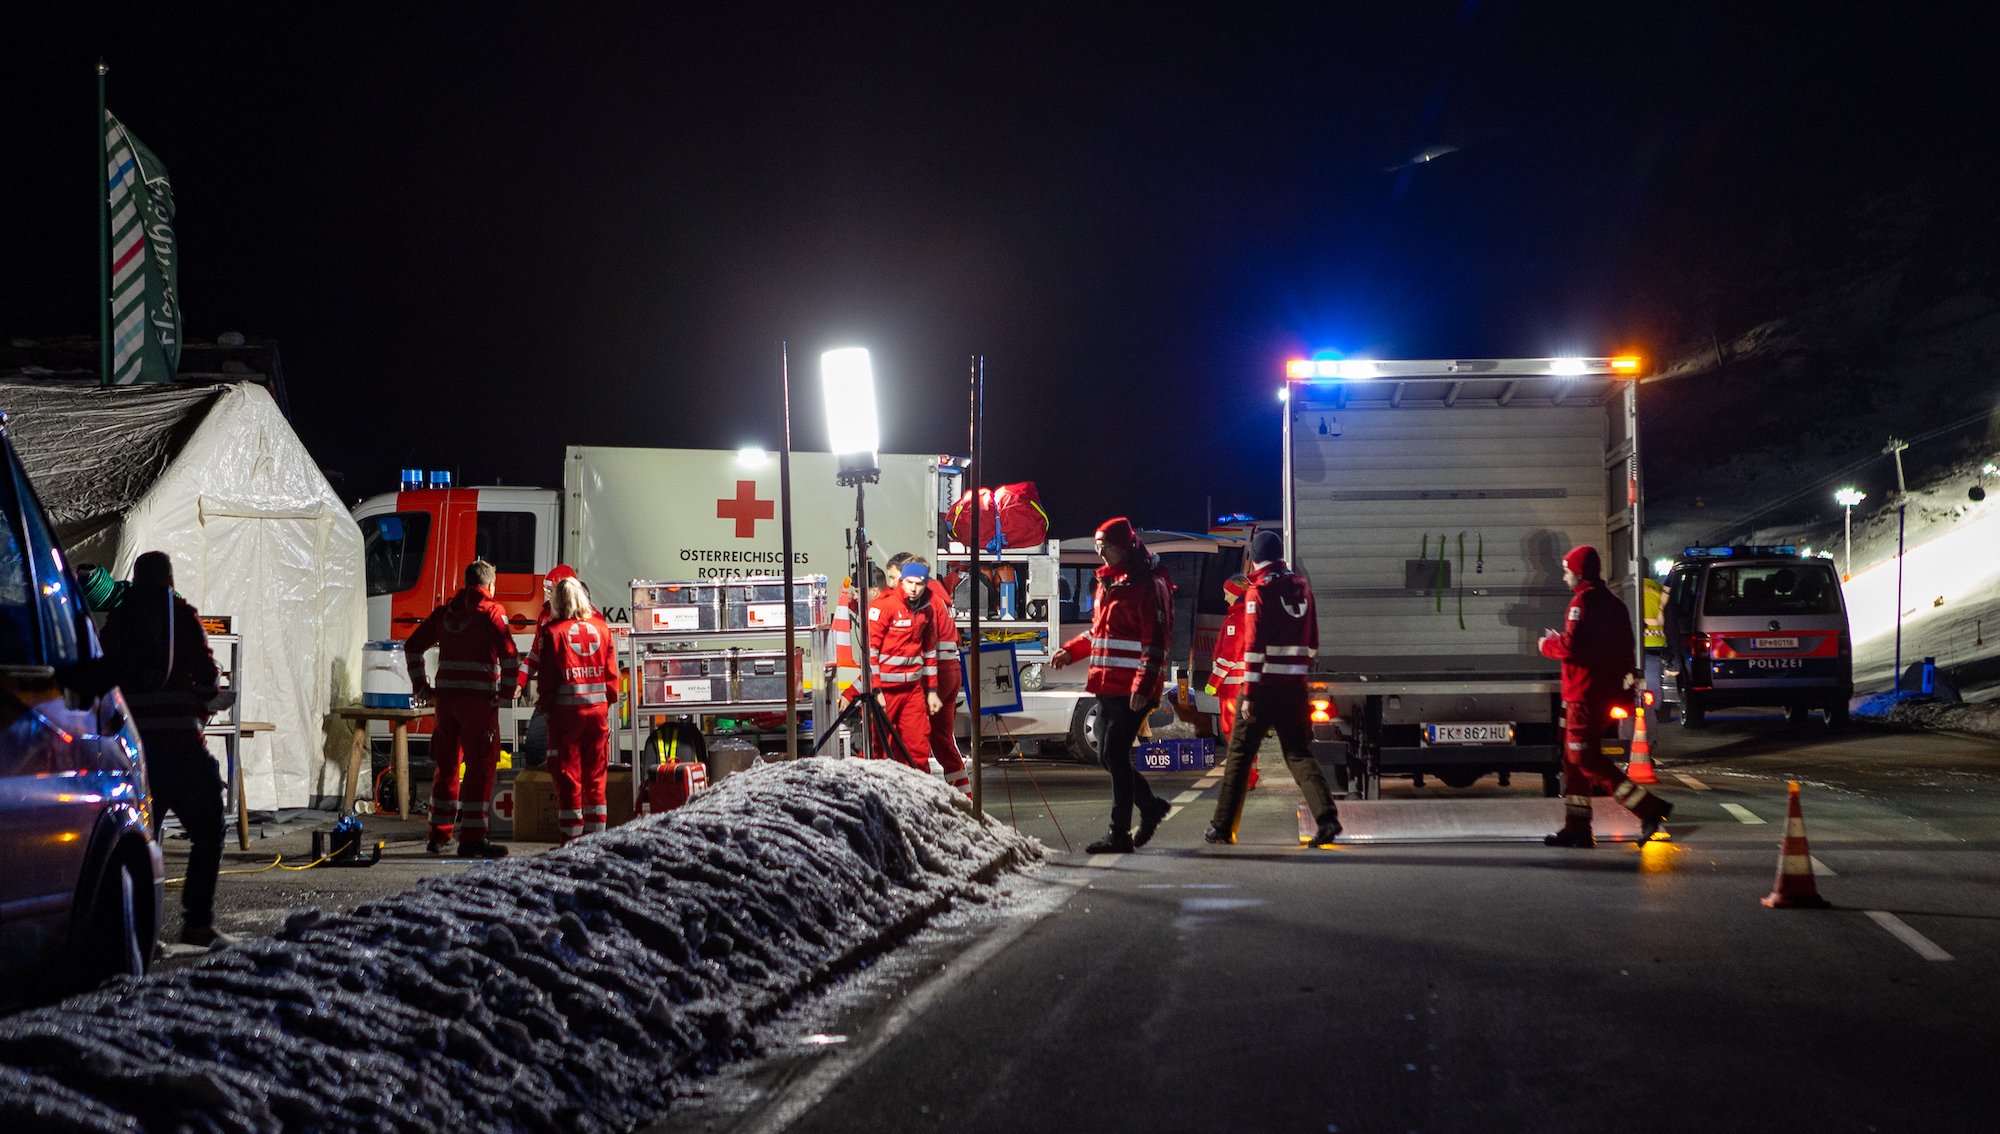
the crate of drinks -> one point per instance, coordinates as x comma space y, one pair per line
758, 602
659, 607
1175, 754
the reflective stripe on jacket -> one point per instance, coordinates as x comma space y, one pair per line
1225, 677
1595, 646
1127, 642
576, 666
476, 652
902, 644
1280, 630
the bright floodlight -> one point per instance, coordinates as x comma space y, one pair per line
1566, 367
851, 428
1849, 497
1662, 566
751, 457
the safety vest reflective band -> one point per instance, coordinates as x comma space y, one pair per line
475, 676
592, 694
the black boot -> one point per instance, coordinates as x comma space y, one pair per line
1649, 825
1329, 830
1570, 837
1217, 836
1115, 842
1150, 815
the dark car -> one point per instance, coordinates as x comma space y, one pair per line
80, 874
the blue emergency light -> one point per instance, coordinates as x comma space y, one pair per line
1747, 551
412, 479
440, 478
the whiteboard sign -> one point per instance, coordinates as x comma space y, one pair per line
999, 678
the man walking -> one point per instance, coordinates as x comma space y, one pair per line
1127, 648
1280, 641
159, 653
1225, 676
1595, 648
902, 659
477, 666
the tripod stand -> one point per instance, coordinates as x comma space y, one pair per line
877, 719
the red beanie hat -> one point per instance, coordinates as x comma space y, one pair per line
1119, 531
1584, 563
560, 572
1236, 586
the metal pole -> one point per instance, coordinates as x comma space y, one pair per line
975, 426
1638, 544
867, 639
103, 238
785, 534
1899, 597
1849, 540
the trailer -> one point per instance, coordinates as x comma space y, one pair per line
1429, 502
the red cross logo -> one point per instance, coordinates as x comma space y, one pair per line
583, 640
745, 509
503, 803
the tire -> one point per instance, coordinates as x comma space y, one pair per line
1083, 732
1694, 714
1798, 716
119, 937
1836, 714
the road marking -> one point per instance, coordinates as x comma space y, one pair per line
1182, 800
1821, 867
1690, 781
1743, 814
1924, 946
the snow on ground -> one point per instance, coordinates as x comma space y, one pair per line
583, 989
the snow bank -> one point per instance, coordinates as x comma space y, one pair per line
576, 991
1933, 716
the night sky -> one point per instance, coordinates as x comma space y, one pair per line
481, 232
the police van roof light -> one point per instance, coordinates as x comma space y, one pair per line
1746, 551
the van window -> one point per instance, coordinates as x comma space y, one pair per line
17, 624
1076, 588
61, 607
506, 540
1766, 589
393, 550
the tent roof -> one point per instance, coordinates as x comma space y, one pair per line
92, 450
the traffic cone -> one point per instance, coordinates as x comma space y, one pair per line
1640, 769
1795, 889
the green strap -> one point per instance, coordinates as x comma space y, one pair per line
1461, 580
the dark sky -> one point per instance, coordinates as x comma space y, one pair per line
480, 232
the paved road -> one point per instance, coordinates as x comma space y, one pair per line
1457, 986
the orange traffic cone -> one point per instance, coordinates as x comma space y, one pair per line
1795, 889
1640, 769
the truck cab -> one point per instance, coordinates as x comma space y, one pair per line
417, 543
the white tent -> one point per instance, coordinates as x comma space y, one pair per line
214, 476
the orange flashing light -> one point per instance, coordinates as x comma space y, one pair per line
1299, 368
1322, 711
1619, 712
1626, 364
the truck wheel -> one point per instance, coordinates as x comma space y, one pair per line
1083, 732
1836, 714
1798, 716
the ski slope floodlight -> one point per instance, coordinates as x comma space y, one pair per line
751, 457
1849, 497
853, 433
1661, 567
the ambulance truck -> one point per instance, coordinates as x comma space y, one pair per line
626, 514
1430, 503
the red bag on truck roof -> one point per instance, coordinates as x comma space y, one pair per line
1012, 515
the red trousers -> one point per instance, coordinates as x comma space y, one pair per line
944, 729
579, 753
910, 721
1226, 724
1586, 772
468, 732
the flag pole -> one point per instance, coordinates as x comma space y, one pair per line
103, 241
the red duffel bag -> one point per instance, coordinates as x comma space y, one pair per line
1009, 516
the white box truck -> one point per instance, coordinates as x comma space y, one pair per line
1429, 503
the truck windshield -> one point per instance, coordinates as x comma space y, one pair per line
392, 550
1763, 589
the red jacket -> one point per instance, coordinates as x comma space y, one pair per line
902, 644
1225, 678
946, 627
476, 652
1127, 642
576, 666
1280, 630
1595, 646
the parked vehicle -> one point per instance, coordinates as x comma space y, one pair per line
81, 889
1757, 625
1429, 502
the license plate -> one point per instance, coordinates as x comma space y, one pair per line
1470, 732
1775, 643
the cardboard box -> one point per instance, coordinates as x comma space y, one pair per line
1180, 754
535, 803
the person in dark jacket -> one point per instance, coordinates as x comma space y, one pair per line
1596, 650
159, 655
1127, 651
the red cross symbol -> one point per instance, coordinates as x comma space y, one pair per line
583, 641
503, 802
745, 509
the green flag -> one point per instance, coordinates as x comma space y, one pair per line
143, 300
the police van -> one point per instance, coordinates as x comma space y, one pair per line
1757, 625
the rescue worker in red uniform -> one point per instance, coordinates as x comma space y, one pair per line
1225, 677
576, 682
950, 680
535, 746
477, 665
1596, 650
1127, 649
1280, 641
159, 655
902, 660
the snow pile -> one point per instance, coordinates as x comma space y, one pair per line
1931, 715
578, 990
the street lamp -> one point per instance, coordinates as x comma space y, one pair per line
847, 378
1662, 566
1847, 498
